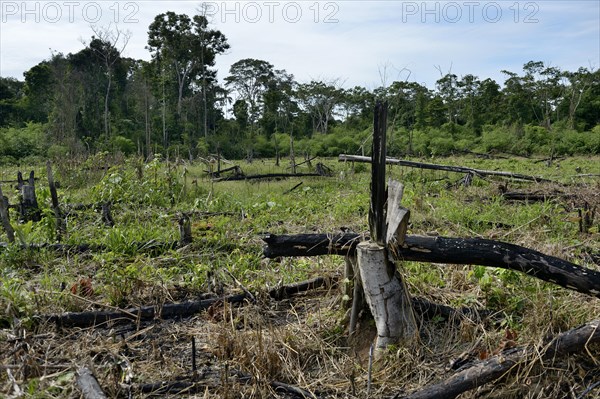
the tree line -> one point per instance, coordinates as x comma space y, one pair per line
98, 100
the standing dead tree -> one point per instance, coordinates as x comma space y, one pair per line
386, 294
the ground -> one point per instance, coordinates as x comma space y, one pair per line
283, 347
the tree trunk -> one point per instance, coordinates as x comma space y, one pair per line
444, 250
10, 233
575, 340
387, 297
457, 169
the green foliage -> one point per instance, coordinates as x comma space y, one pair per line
159, 185
123, 144
23, 142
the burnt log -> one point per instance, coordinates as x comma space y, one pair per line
266, 176
571, 341
447, 168
444, 250
168, 311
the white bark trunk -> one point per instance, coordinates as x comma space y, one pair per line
387, 296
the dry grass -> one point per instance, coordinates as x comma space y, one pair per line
302, 341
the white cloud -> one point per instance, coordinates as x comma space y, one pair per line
365, 36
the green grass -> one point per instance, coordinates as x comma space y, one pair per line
232, 216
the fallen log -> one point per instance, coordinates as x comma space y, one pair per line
171, 310
460, 251
575, 340
214, 379
266, 176
457, 169
144, 313
87, 383
534, 197
82, 248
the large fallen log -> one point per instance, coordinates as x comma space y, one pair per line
470, 251
171, 310
144, 313
265, 176
448, 168
493, 368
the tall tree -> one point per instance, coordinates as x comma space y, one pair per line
320, 99
250, 78
187, 46
107, 45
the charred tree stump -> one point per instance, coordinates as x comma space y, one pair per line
28, 207
185, 230
384, 289
61, 227
10, 233
107, 218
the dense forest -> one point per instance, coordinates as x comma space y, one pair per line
97, 100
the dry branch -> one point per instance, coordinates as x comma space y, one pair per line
214, 379
457, 169
491, 369
471, 251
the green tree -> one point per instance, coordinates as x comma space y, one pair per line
250, 79
320, 99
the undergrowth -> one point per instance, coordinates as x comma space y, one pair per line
300, 341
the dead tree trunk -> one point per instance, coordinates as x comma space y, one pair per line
10, 233
61, 228
457, 169
445, 250
28, 207
491, 369
384, 289
185, 230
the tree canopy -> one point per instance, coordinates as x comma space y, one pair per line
96, 99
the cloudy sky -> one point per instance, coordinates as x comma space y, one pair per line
358, 42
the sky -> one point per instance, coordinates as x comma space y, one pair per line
356, 43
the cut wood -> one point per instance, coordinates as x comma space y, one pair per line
571, 341
457, 169
534, 197
460, 251
166, 311
387, 297
87, 383
214, 379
